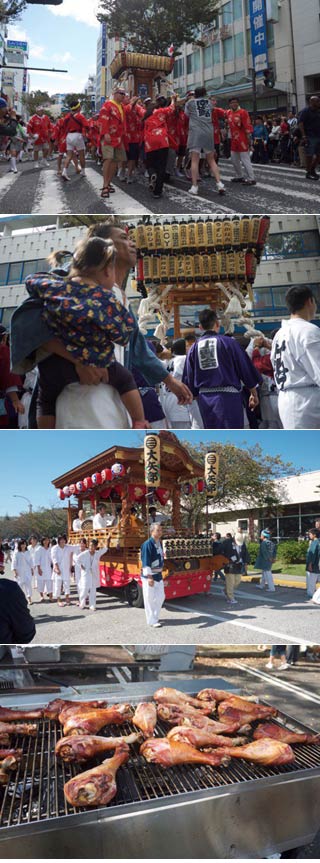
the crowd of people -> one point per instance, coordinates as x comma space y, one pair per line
91, 338
55, 567
164, 137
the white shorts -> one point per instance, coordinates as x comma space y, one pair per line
75, 141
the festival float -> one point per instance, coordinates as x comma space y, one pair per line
158, 473
205, 261
143, 75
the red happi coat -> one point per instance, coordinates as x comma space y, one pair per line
112, 123
40, 126
134, 126
59, 136
217, 115
183, 128
240, 126
156, 135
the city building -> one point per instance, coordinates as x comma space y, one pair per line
291, 256
106, 49
221, 57
3, 36
305, 19
295, 514
15, 76
90, 90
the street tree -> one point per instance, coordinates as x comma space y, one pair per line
42, 522
35, 99
10, 10
72, 99
247, 477
151, 26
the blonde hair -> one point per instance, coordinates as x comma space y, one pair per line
92, 253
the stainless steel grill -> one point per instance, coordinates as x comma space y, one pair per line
34, 798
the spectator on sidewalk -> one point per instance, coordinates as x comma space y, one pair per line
313, 562
264, 561
16, 624
278, 651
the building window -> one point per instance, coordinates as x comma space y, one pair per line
15, 273
3, 274
189, 64
243, 524
208, 57
196, 61
292, 245
238, 45
237, 10
228, 50
216, 53
178, 68
227, 13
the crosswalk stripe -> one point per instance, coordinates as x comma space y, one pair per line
183, 197
6, 181
49, 197
119, 202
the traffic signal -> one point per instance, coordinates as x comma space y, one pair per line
268, 78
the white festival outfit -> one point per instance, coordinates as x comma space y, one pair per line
23, 564
178, 416
62, 557
89, 577
42, 559
295, 357
153, 597
100, 522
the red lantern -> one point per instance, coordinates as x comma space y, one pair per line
96, 478
66, 491
136, 492
200, 485
79, 486
87, 482
103, 495
61, 494
106, 475
162, 495
72, 489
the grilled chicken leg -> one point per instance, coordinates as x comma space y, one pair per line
7, 714
27, 729
97, 786
166, 695
10, 758
265, 751
59, 708
91, 721
269, 729
254, 710
89, 746
174, 713
145, 717
227, 726
199, 737
168, 753
219, 695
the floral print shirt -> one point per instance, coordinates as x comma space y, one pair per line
86, 317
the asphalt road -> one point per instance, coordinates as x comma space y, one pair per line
284, 617
279, 189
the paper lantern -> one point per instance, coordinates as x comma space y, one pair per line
61, 494
79, 486
106, 475
103, 495
152, 460
72, 489
87, 482
118, 469
211, 472
66, 491
200, 485
96, 478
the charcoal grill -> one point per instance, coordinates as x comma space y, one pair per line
242, 810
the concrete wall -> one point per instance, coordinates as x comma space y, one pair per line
306, 31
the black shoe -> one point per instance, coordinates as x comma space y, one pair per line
249, 182
312, 175
236, 180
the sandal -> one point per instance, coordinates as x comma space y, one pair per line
111, 188
105, 192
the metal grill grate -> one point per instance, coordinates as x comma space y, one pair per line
35, 792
